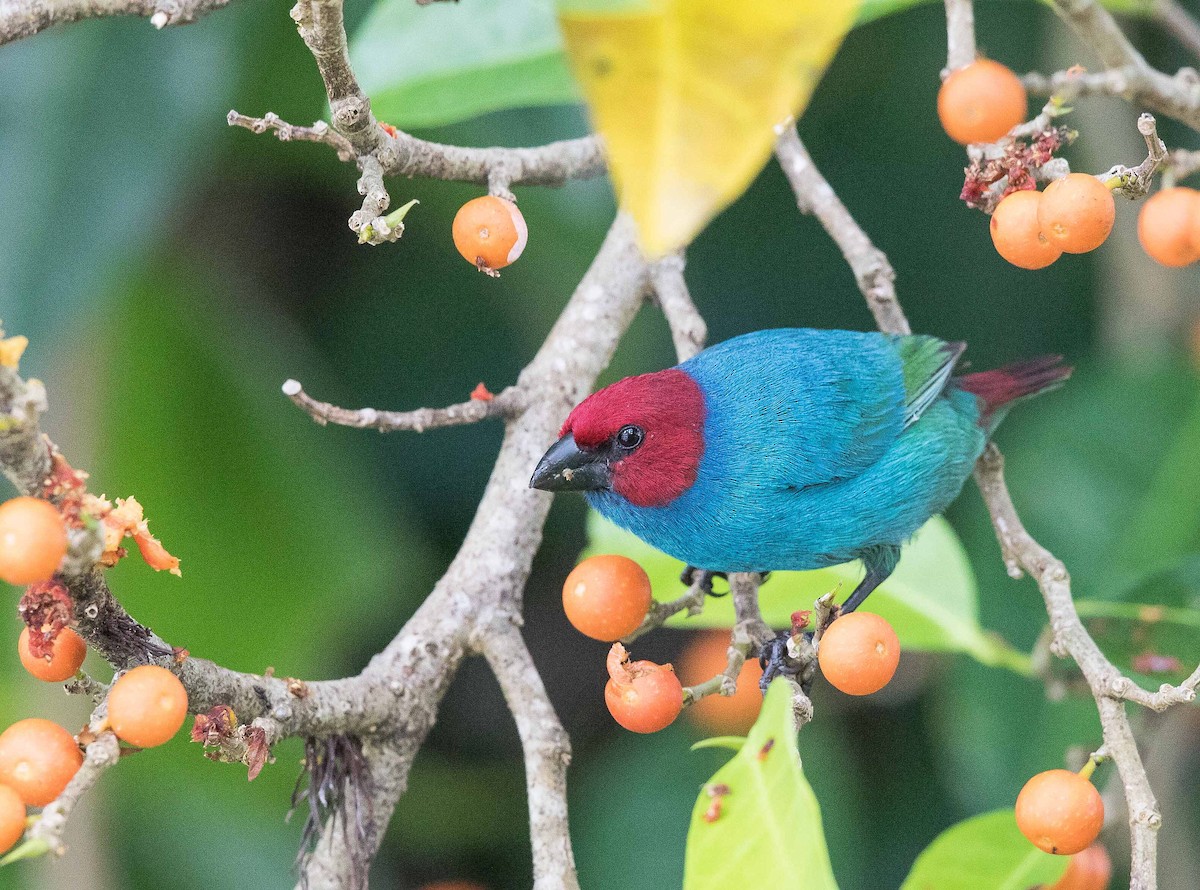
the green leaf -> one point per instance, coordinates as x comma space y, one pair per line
985, 852
1155, 643
931, 598
769, 821
426, 66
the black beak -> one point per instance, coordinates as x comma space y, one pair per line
567, 467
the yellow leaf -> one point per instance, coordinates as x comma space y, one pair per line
686, 94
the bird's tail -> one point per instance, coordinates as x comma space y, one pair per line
1000, 388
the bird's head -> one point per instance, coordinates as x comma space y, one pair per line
642, 438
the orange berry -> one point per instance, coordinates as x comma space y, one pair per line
1089, 870
1060, 811
858, 653
1165, 226
490, 232
37, 760
703, 659
981, 102
606, 597
33, 540
66, 655
1016, 234
146, 706
1076, 213
12, 818
642, 696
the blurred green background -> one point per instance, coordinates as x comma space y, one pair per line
172, 272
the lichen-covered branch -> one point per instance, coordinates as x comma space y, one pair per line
505, 404
22, 18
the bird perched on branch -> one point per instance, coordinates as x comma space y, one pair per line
789, 449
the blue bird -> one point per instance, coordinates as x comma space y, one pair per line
789, 449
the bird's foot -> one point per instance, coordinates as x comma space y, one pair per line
692, 575
776, 659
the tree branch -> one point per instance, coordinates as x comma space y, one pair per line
1179, 22
101, 754
874, 274
547, 754
670, 291
22, 18
960, 35
505, 404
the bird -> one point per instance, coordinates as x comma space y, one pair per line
789, 449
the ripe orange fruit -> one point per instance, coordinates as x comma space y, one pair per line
1165, 226
1076, 213
704, 658
1060, 811
1089, 870
642, 696
1016, 234
37, 760
490, 232
146, 706
858, 653
981, 102
66, 655
606, 597
33, 540
12, 818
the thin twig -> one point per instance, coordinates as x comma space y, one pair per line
1136, 181
101, 754
692, 601
960, 35
505, 404
319, 132
874, 274
670, 291
24, 19
547, 752
1176, 19
750, 634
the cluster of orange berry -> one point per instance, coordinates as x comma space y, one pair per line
1061, 812
1074, 214
981, 103
38, 758
608, 597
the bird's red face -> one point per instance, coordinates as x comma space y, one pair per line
642, 437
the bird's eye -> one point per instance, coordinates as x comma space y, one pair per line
630, 437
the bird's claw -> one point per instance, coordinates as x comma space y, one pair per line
776, 661
692, 575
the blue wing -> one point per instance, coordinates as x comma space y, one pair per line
825, 404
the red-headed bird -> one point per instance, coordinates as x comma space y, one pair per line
789, 449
